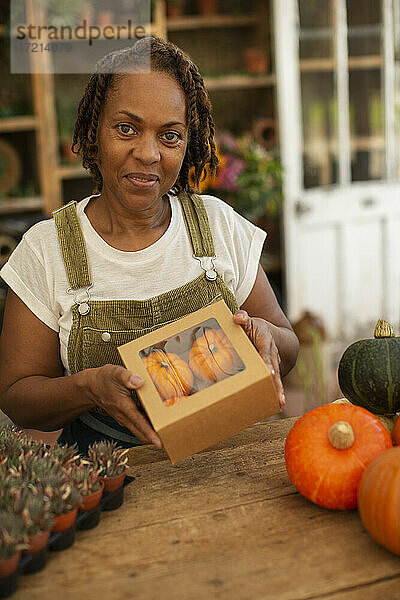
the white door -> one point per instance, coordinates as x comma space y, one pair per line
338, 87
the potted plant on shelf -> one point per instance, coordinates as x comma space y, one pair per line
111, 463
175, 8
105, 15
249, 178
207, 7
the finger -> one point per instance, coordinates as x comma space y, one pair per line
128, 378
277, 378
138, 425
271, 360
241, 317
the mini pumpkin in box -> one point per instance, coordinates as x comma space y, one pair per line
212, 356
170, 373
369, 371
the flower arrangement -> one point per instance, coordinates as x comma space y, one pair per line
249, 177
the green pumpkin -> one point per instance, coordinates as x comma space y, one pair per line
369, 371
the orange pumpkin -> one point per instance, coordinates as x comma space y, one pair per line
327, 450
396, 432
170, 374
212, 356
387, 420
379, 499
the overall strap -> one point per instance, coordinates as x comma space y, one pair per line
72, 245
197, 224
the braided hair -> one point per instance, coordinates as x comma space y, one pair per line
162, 56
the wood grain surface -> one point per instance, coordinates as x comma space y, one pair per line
223, 524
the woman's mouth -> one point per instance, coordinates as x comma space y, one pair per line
142, 180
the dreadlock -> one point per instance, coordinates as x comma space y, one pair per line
165, 57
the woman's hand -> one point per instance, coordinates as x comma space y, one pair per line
109, 387
260, 333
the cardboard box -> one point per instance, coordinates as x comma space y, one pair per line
224, 391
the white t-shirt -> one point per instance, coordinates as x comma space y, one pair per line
35, 270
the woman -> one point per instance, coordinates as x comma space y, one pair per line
136, 255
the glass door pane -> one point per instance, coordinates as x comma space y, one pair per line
396, 24
366, 96
318, 91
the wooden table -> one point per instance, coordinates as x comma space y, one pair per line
223, 524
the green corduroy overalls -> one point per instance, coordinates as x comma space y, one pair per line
100, 326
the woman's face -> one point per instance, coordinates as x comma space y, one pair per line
142, 138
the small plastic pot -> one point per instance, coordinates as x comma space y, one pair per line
60, 540
112, 484
9, 575
32, 563
9, 565
64, 521
88, 519
92, 500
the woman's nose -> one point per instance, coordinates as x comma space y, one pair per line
146, 149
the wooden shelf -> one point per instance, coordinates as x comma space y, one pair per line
227, 82
365, 62
24, 123
311, 65
72, 172
10, 205
190, 22
359, 143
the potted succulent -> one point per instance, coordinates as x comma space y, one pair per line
64, 499
12, 542
11, 446
64, 454
86, 478
111, 462
34, 507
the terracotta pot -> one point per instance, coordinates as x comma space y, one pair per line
105, 17
92, 500
37, 542
111, 484
64, 521
9, 565
175, 9
207, 7
255, 60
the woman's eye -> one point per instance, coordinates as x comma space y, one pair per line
171, 136
125, 128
